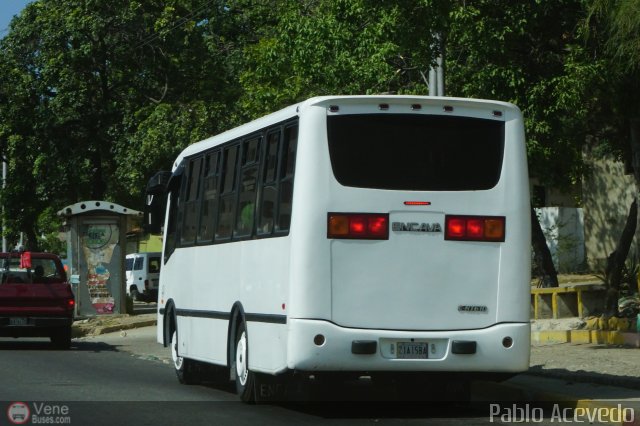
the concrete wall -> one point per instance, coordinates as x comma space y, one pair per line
607, 195
564, 230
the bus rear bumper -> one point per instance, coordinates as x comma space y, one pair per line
316, 345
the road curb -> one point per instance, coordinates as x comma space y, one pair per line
82, 330
581, 337
119, 327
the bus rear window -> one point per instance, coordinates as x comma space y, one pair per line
416, 152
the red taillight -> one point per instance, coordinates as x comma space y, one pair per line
475, 228
70, 304
367, 226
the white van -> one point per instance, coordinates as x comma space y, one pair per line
143, 274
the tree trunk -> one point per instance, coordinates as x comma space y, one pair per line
615, 261
31, 240
541, 254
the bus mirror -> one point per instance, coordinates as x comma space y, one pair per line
158, 183
155, 202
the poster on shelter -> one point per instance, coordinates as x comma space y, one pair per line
98, 243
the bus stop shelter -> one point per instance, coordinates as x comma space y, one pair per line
96, 242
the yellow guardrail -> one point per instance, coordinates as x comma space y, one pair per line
567, 301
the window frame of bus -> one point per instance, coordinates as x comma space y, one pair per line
228, 192
284, 172
246, 165
191, 197
269, 180
174, 191
212, 169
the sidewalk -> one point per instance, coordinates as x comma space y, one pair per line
588, 376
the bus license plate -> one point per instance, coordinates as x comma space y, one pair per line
17, 321
413, 350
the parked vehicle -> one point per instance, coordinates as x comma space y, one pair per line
143, 274
35, 297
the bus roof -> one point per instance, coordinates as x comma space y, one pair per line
294, 110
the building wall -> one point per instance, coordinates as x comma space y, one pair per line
143, 243
563, 228
607, 195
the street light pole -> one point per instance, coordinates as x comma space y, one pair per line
4, 185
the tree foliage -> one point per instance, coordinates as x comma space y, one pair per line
88, 85
340, 47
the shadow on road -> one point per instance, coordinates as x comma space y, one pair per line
385, 409
582, 376
360, 399
43, 344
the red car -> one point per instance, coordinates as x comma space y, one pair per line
35, 297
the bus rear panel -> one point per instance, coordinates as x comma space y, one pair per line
412, 238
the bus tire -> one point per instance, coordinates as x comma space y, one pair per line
186, 369
245, 378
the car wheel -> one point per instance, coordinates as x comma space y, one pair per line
244, 377
186, 369
61, 339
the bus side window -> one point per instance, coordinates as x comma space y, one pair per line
287, 167
226, 210
248, 187
191, 205
269, 185
209, 197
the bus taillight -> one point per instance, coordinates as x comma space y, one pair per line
367, 226
475, 228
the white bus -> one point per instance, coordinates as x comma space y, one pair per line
382, 236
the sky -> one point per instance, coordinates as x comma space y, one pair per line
8, 8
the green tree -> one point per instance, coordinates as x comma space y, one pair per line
340, 47
86, 87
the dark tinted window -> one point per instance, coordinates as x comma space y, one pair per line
269, 181
287, 167
192, 206
42, 271
137, 266
209, 197
227, 207
154, 265
416, 152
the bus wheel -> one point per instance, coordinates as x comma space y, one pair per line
186, 369
245, 378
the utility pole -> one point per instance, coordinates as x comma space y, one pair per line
436, 73
4, 185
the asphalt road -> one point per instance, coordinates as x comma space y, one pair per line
125, 378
